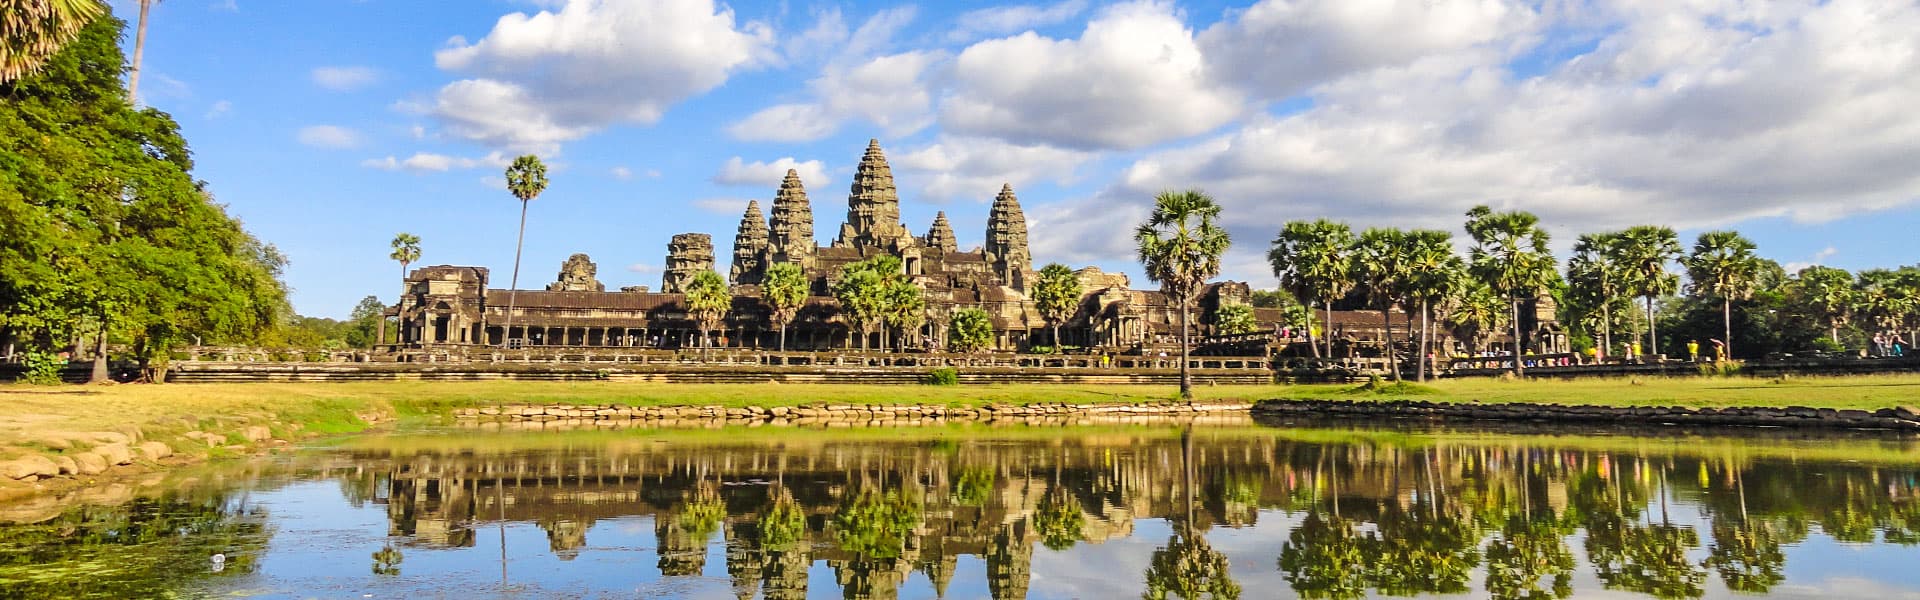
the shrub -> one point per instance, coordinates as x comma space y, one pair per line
944, 376
42, 368
1722, 368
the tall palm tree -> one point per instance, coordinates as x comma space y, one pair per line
1596, 273
1379, 266
1057, 296
784, 289
1311, 260
1646, 250
32, 31
1180, 246
708, 302
1434, 272
406, 249
1829, 292
139, 51
1723, 265
1477, 309
526, 179
1510, 254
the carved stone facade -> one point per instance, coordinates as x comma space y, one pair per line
750, 247
940, 237
687, 254
1007, 240
873, 208
576, 275
790, 234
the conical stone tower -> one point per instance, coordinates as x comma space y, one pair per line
873, 207
1006, 247
790, 235
687, 255
940, 237
750, 247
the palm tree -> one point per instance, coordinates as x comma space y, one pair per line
905, 308
1379, 265
1056, 295
32, 31
1595, 273
1510, 254
406, 249
1434, 273
1829, 292
1723, 265
969, 329
1180, 247
708, 302
785, 290
864, 289
1310, 259
1646, 250
526, 178
139, 51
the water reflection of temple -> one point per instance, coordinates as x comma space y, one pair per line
1385, 514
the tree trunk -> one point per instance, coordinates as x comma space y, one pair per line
1312, 343
1653, 331
1327, 332
1726, 319
1057, 347
1186, 380
514, 285
1386, 335
1606, 330
1425, 337
783, 336
1519, 347
100, 374
139, 51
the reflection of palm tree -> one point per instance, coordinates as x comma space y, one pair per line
1747, 556
1525, 552
1415, 553
386, 561
683, 539
1323, 558
875, 523
1186, 567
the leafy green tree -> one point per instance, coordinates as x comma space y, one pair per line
1273, 299
1476, 311
1380, 269
785, 290
1723, 266
1510, 254
905, 306
1234, 319
1310, 259
107, 230
969, 330
32, 31
406, 249
1828, 292
863, 290
526, 179
1057, 296
1434, 276
1180, 246
364, 322
1646, 250
708, 301
1595, 277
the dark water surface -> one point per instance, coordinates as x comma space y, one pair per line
1322, 511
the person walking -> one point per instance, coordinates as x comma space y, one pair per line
1693, 350
1879, 344
1719, 350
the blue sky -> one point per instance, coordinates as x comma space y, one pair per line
330, 125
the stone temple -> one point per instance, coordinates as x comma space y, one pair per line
449, 310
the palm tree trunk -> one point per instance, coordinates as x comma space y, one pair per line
1186, 380
1653, 330
1057, 348
1327, 333
1386, 335
1312, 344
513, 286
1425, 338
1606, 329
139, 50
1518, 347
1726, 320
783, 337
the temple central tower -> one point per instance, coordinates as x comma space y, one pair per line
790, 234
1006, 248
873, 208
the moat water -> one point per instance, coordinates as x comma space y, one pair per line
1276, 510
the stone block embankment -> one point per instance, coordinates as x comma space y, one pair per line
518, 416
677, 374
1747, 416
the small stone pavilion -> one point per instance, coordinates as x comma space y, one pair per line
452, 309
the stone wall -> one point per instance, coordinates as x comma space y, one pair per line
522, 416
1790, 416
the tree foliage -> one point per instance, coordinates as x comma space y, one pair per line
1056, 294
105, 224
1311, 260
33, 31
1511, 256
1180, 246
784, 290
1234, 319
969, 330
708, 301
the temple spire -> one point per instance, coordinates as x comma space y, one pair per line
940, 237
873, 207
750, 247
1006, 246
790, 235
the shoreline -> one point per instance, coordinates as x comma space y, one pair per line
1897, 418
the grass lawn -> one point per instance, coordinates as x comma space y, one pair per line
30, 416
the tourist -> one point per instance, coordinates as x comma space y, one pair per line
1693, 350
1719, 350
1899, 345
1879, 344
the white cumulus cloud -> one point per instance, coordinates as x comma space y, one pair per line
344, 78
975, 168
422, 162
738, 171
332, 137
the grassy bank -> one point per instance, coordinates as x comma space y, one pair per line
1867, 392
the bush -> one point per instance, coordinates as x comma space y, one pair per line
944, 376
42, 368
1723, 368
